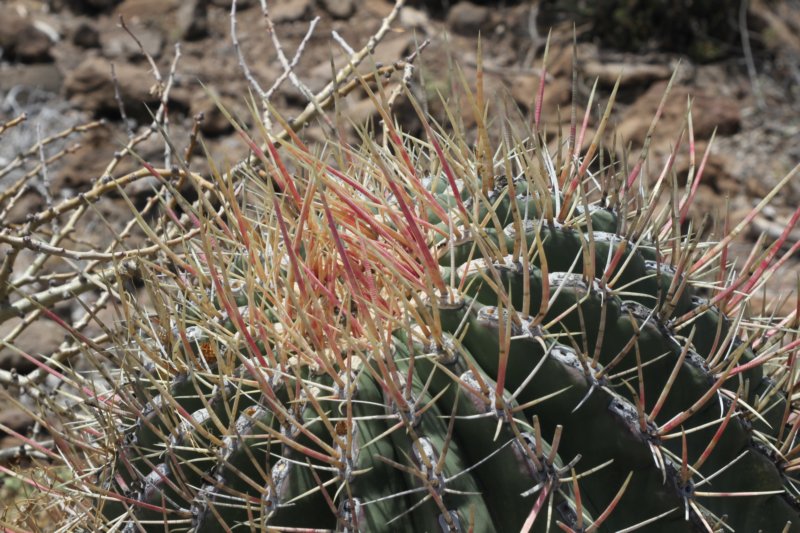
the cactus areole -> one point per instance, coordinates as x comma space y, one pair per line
438, 335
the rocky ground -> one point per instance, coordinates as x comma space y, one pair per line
56, 62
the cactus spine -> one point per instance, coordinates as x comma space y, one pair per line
423, 336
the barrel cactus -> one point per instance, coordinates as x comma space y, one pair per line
432, 335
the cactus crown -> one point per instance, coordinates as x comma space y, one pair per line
429, 334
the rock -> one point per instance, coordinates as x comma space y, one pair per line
43, 76
139, 11
214, 121
117, 213
90, 88
40, 337
289, 10
174, 20
519, 20
376, 8
340, 9
86, 35
117, 43
468, 19
715, 175
389, 50
226, 148
91, 7
557, 92
16, 419
80, 169
414, 18
191, 20
710, 111
20, 39
629, 74
29, 203
240, 4
360, 112
107, 315
33, 46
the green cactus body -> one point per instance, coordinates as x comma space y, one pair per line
498, 357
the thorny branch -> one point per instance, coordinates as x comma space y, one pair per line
26, 288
